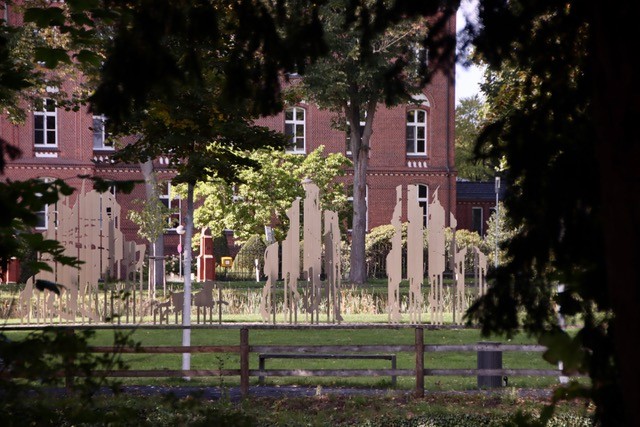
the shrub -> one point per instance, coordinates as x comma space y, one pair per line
253, 249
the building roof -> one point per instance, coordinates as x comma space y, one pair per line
478, 191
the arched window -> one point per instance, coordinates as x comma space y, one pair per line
423, 201
294, 127
417, 132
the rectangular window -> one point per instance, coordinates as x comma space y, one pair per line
172, 201
45, 125
100, 141
416, 133
294, 128
477, 224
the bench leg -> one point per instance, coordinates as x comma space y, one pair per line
261, 368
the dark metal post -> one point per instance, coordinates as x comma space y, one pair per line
419, 392
489, 359
244, 362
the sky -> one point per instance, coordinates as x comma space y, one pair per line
467, 79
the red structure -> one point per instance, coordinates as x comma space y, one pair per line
206, 259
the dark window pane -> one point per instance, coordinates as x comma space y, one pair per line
421, 116
51, 123
300, 131
420, 148
288, 129
299, 114
38, 122
50, 105
410, 146
288, 115
477, 220
422, 191
51, 137
410, 116
420, 130
41, 219
39, 137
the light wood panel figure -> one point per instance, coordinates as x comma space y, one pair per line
415, 254
271, 271
332, 265
291, 263
312, 235
394, 261
436, 262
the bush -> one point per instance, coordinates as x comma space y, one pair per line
253, 249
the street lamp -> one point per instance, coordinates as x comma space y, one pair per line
180, 230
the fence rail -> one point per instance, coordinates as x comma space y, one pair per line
244, 349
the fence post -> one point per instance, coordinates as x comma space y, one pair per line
489, 359
244, 362
419, 392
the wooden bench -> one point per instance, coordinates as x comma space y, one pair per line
264, 356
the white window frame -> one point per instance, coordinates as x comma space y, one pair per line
424, 203
294, 122
413, 127
45, 114
100, 135
173, 202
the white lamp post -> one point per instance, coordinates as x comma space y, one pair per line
180, 230
497, 227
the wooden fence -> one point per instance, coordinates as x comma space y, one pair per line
244, 349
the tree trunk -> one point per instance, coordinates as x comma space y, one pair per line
151, 189
617, 107
186, 312
360, 153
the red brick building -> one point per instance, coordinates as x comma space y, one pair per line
411, 144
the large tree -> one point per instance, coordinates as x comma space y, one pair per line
564, 94
355, 78
469, 119
263, 195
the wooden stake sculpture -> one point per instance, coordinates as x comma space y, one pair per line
394, 261
203, 300
332, 265
480, 271
415, 254
312, 263
436, 259
88, 230
271, 271
291, 262
460, 300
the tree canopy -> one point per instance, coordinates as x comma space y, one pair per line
469, 119
561, 93
263, 196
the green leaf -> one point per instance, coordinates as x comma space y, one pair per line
51, 56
